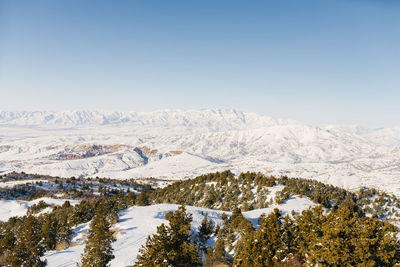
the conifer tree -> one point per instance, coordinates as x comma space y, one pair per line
263, 247
49, 232
219, 254
64, 231
306, 229
142, 199
98, 250
29, 245
171, 245
7, 243
208, 257
205, 230
216, 256
350, 240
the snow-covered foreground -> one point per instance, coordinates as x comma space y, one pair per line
10, 208
179, 144
136, 223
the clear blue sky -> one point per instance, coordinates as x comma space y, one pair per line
321, 61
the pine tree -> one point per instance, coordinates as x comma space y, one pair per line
98, 250
64, 231
306, 229
205, 230
29, 246
216, 256
350, 240
142, 199
7, 243
219, 253
49, 232
171, 245
208, 257
334, 246
263, 247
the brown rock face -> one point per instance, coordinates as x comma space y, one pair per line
87, 151
176, 152
148, 151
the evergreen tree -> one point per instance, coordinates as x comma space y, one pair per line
306, 229
218, 254
205, 230
49, 232
7, 243
142, 199
98, 250
64, 231
263, 247
171, 245
349, 240
29, 245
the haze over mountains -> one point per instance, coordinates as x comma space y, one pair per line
176, 144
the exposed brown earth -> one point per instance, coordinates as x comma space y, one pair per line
176, 152
148, 151
87, 151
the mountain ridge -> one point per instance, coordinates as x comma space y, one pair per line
209, 140
154, 118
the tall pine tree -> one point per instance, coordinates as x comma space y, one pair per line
205, 230
98, 250
263, 247
171, 245
29, 246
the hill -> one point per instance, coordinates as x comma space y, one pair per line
181, 144
239, 207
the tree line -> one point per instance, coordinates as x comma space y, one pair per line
352, 223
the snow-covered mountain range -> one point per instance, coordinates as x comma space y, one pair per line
176, 144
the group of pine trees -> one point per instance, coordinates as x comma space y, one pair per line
72, 188
172, 245
248, 191
340, 235
313, 238
53, 230
98, 248
317, 238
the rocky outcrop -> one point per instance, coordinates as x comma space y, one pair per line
94, 150
86, 151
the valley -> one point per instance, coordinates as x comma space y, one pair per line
181, 144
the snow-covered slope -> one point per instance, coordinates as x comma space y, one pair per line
136, 223
11, 208
177, 144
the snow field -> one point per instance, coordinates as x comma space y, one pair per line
210, 140
136, 223
11, 208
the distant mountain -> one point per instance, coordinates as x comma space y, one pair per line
177, 144
212, 119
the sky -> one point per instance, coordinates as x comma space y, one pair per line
316, 61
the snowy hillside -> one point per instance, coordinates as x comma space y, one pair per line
10, 208
176, 144
235, 209
136, 223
